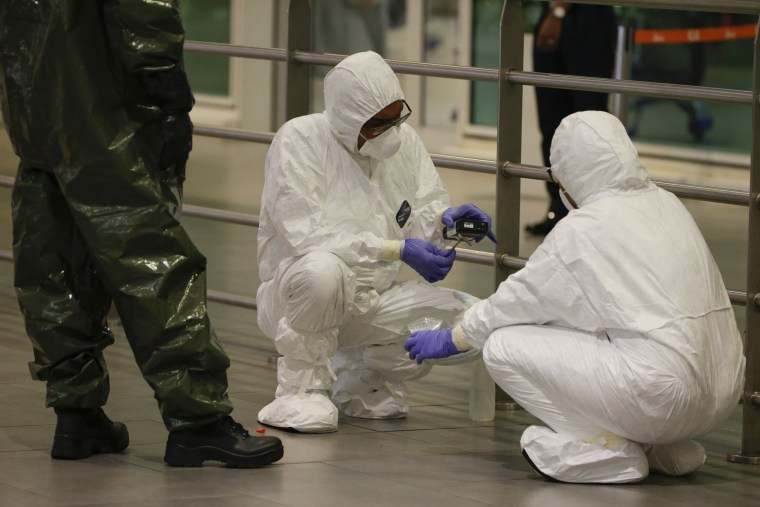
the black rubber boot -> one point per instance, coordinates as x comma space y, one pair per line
225, 441
80, 433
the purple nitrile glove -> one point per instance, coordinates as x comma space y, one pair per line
470, 211
430, 344
426, 259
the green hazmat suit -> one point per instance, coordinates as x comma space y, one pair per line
96, 101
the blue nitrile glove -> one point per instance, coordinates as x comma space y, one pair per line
428, 260
470, 211
430, 344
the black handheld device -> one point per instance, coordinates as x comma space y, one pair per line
466, 229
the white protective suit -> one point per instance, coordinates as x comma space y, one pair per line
330, 235
618, 331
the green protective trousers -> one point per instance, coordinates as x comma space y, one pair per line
95, 216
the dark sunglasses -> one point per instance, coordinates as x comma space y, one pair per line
376, 126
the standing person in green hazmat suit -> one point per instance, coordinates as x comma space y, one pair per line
96, 103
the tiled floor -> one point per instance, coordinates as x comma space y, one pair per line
436, 456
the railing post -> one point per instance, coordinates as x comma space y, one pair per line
508, 148
623, 53
297, 78
509, 140
750, 451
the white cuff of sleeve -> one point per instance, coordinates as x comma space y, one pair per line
391, 250
440, 217
457, 336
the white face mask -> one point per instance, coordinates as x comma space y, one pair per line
383, 146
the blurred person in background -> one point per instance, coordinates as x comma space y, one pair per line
573, 39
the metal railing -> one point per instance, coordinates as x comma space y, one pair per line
508, 170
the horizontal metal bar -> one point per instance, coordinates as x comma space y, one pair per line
449, 71
329, 59
231, 299
236, 134
531, 172
466, 255
220, 215
407, 67
712, 194
475, 256
215, 48
463, 254
737, 298
517, 263
643, 88
735, 6
512, 262
465, 164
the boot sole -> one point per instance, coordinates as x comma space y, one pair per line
181, 456
539, 471
67, 447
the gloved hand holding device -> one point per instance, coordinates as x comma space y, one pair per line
426, 259
470, 211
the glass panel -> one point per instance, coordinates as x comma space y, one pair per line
442, 46
345, 27
208, 21
486, 16
484, 96
721, 64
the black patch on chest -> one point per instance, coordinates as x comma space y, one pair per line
403, 213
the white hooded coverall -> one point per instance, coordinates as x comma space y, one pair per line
330, 235
618, 331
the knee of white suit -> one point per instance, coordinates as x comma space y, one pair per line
318, 289
499, 356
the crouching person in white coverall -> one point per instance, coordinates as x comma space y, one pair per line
349, 194
618, 332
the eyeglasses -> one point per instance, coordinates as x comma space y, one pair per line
376, 126
554, 180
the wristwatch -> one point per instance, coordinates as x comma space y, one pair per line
558, 11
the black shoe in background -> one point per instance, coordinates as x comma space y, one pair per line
542, 228
223, 440
82, 432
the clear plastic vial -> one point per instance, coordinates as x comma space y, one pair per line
482, 393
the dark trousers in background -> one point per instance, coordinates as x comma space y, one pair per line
586, 48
